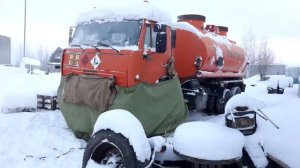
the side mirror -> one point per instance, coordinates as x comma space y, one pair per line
71, 33
161, 42
160, 28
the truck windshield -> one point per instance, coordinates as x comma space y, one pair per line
122, 33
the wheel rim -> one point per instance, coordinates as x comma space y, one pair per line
110, 155
113, 158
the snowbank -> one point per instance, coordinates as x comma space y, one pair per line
251, 81
209, 141
19, 89
40, 140
30, 61
122, 121
133, 12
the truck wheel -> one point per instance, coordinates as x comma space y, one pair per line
221, 101
109, 148
235, 90
210, 104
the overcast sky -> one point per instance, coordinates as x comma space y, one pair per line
48, 21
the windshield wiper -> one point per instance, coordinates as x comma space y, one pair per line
99, 43
94, 46
77, 45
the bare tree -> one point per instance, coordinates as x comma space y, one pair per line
250, 45
265, 57
43, 56
19, 55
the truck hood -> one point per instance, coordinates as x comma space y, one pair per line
101, 62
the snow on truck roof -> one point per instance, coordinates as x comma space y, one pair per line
145, 11
133, 12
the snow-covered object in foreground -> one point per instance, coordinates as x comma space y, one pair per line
243, 100
208, 141
254, 150
133, 12
278, 81
123, 122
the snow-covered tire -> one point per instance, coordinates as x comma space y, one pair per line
235, 90
106, 142
221, 102
270, 91
280, 91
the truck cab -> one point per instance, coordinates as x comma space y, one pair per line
131, 51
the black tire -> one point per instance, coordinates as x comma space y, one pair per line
221, 102
246, 160
280, 91
106, 142
235, 90
210, 105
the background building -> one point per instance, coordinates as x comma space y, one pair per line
54, 60
294, 72
5, 50
270, 70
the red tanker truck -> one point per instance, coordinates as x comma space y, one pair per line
129, 80
209, 65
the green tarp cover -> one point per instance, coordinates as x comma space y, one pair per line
159, 107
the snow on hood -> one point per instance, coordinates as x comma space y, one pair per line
133, 12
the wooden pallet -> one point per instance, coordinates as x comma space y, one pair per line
47, 102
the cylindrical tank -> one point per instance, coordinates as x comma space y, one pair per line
220, 57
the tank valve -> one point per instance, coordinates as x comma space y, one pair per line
198, 62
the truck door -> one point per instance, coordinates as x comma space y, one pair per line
154, 63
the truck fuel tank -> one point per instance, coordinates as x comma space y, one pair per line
219, 56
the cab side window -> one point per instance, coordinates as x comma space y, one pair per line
150, 38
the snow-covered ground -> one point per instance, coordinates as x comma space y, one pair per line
42, 139
284, 110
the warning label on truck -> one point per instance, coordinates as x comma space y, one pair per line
96, 61
74, 60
